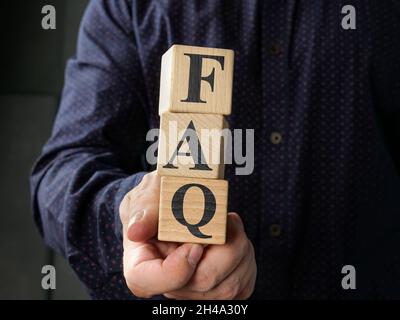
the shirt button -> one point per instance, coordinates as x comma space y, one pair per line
275, 230
276, 138
275, 49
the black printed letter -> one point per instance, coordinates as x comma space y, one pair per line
209, 209
196, 153
195, 76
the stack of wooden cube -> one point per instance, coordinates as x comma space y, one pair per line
195, 94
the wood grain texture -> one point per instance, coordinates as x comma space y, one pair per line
208, 131
175, 80
171, 228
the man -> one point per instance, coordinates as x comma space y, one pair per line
323, 100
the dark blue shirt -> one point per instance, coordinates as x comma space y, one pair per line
325, 106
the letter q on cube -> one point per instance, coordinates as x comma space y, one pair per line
193, 210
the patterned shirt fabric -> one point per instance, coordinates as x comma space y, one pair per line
325, 106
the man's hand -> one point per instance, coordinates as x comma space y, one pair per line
181, 271
225, 271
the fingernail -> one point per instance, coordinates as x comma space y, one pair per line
195, 253
137, 216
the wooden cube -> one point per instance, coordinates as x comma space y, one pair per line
193, 210
196, 80
191, 145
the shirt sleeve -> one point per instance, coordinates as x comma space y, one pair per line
93, 156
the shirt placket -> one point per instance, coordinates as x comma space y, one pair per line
275, 114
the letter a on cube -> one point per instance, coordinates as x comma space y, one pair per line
192, 145
196, 80
193, 210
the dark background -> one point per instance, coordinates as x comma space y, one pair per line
32, 62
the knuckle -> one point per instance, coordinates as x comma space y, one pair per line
205, 281
179, 283
140, 195
178, 280
146, 180
248, 291
244, 295
140, 199
230, 289
131, 194
150, 181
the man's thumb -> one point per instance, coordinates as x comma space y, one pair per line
143, 225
